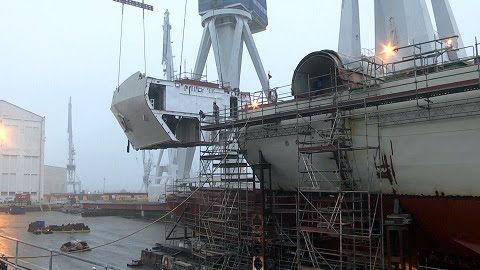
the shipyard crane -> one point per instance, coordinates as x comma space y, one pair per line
227, 27
398, 24
179, 159
72, 181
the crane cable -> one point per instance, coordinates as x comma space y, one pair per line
169, 212
130, 234
120, 51
183, 37
144, 49
151, 223
121, 39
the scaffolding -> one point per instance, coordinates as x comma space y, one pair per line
334, 218
339, 224
223, 223
238, 221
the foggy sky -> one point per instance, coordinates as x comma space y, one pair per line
53, 49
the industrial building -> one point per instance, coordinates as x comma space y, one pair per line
22, 144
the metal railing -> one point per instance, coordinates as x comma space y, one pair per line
17, 259
280, 99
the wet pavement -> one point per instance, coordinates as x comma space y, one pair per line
103, 230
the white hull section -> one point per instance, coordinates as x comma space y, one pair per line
429, 149
438, 157
159, 114
135, 115
433, 157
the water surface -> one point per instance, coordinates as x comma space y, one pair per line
103, 230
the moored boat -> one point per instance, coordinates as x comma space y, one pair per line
75, 245
35, 226
135, 263
69, 228
17, 210
38, 227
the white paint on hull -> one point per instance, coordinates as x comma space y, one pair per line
141, 113
130, 106
282, 154
431, 157
428, 158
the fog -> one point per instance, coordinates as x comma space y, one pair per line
53, 49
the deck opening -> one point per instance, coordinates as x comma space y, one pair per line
156, 96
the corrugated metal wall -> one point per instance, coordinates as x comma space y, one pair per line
21, 152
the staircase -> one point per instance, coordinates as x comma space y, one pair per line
222, 221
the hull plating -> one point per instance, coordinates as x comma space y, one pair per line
444, 231
425, 148
135, 115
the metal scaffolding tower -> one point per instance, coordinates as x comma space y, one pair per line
339, 224
218, 217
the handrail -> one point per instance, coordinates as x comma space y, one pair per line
292, 105
52, 254
389, 72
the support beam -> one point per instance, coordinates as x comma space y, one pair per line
447, 27
135, 4
202, 56
391, 31
349, 43
237, 50
420, 29
226, 30
167, 59
216, 48
257, 63
188, 161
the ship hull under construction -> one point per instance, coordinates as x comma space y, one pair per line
362, 172
424, 151
413, 137
311, 175
417, 134
444, 232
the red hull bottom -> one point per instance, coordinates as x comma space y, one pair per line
445, 231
